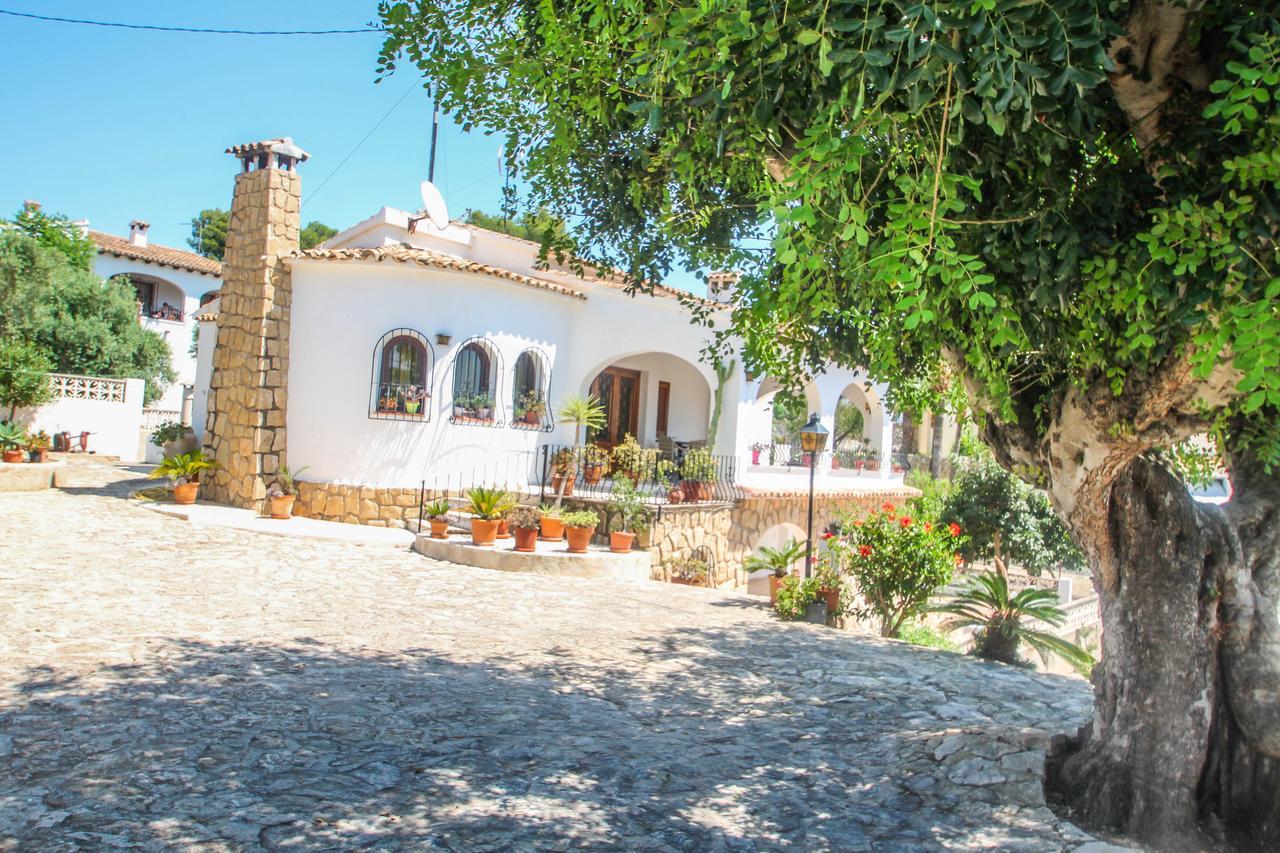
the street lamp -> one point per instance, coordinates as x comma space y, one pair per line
813, 438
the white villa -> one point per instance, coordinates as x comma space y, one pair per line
407, 355
170, 284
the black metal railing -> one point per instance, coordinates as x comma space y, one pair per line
793, 456
405, 401
593, 473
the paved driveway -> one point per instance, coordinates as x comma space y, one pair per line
167, 684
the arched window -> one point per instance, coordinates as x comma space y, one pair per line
475, 383
401, 387
529, 392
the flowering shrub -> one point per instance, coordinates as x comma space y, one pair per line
897, 562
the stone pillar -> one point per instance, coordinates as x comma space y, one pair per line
248, 388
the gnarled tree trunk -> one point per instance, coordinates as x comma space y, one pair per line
1183, 746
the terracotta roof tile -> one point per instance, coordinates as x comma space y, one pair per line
153, 254
404, 253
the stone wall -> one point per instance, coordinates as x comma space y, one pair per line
358, 504
245, 426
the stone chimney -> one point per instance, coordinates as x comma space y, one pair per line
248, 388
720, 285
138, 232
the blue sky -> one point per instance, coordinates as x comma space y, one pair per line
113, 125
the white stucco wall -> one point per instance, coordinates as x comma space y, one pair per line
204, 371
114, 427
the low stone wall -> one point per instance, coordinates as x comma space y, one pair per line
682, 529
30, 476
370, 505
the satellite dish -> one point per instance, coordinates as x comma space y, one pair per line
433, 205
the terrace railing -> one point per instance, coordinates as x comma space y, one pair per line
595, 475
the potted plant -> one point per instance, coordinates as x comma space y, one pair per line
504, 529
829, 584
173, 438
689, 572
461, 406
524, 520
438, 517
633, 515
633, 460
38, 447
284, 492
698, 470
552, 523
534, 407
12, 439
799, 599
183, 471
414, 396
595, 462
482, 405
486, 506
578, 527
586, 414
563, 472
778, 562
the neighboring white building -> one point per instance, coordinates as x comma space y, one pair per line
171, 284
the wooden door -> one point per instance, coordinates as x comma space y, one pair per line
618, 390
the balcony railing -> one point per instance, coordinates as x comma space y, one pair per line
693, 476
164, 311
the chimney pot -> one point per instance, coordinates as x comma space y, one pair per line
138, 232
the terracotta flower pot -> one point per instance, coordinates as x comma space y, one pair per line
185, 493
676, 495
282, 507
579, 538
13, 455
439, 529
526, 539
568, 487
533, 418
38, 456
504, 529
483, 532
552, 529
774, 583
591, 474
689, 581
832, 597
620, 542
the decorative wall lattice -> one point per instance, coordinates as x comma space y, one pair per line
63, 385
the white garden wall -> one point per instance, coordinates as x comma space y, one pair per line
109, 409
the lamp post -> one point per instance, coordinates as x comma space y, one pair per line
813, 438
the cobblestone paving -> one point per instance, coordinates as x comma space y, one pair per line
163, 684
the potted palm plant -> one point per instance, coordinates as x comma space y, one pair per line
632, 514
183, 471
552, 523
284, 492
778, 562
525, 521
12, 439
578, 527
586, 414
438, 517
486, 506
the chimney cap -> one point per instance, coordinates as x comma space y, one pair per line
140, 224
281, 145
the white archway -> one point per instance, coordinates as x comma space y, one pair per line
653, 395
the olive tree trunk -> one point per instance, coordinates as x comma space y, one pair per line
1183, 748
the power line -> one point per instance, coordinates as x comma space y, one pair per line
350, 153
205, 30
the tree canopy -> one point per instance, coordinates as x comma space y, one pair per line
537, 226
209, 233
314, 234
55, 231
78, 322
1067, 209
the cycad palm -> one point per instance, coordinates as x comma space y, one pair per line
584, 413
998, 618
776, 560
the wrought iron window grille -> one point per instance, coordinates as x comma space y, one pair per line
400, 380
477, 392
531, 392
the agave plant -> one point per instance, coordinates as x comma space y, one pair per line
777, 560
12, 436
488, 504
1000, 621
183, 468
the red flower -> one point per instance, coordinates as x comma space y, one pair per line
857, 524
888, 507
954, 528
828, 535
906, 521
864, 550
959, 560
928, 528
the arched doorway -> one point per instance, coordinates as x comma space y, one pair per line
659, 398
